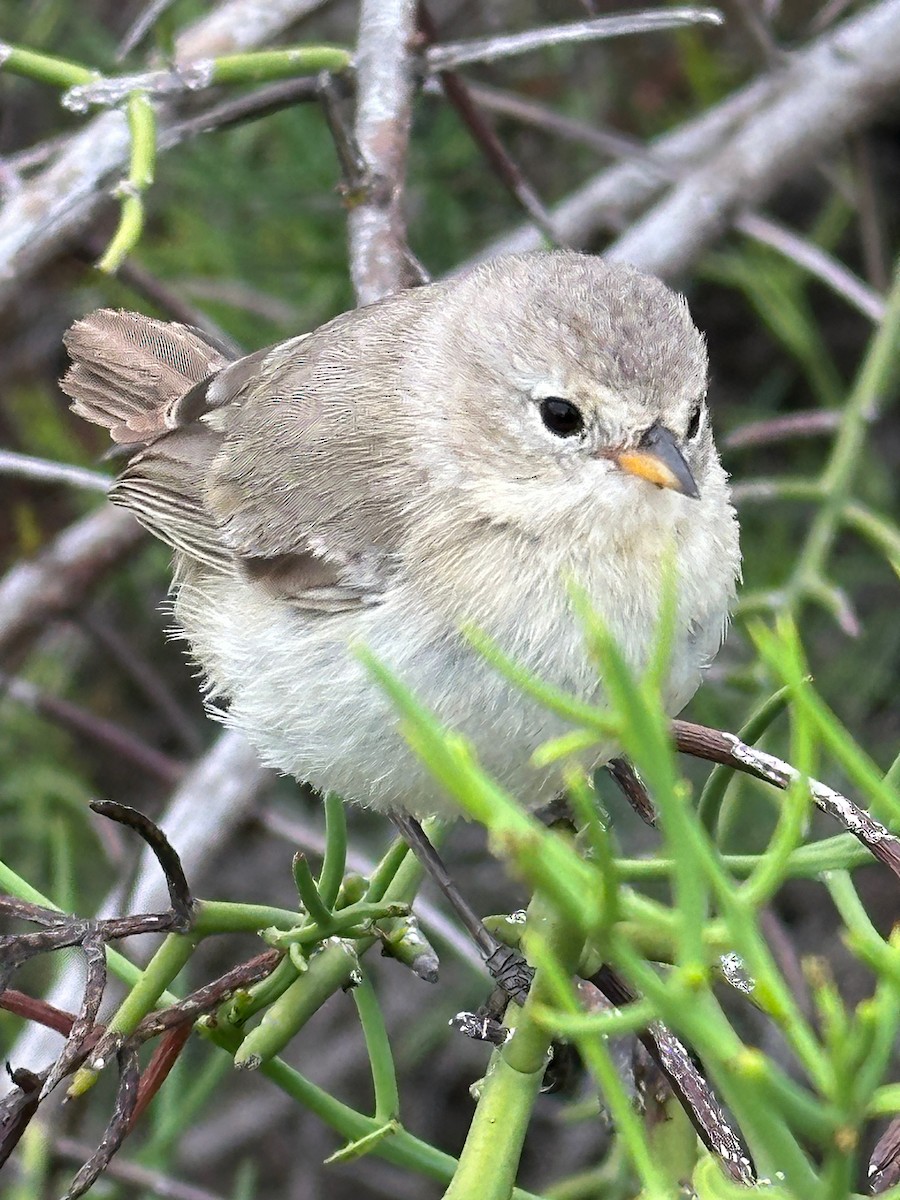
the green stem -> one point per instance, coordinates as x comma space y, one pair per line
402, 1148
319, 912
710, 802
490, 1158
883, 534
262, 66
335, 862
875, 380
378, 1047
329, 970
169, 959
44, 68
142, 127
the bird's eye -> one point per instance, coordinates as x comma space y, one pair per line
561, 417
694, 424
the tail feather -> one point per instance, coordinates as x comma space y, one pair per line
129, 370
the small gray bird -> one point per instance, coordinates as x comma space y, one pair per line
456, 454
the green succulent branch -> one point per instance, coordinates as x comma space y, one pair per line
84, 87
802, 1117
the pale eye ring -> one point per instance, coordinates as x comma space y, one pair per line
561, 417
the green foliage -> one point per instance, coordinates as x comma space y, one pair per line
802, 1118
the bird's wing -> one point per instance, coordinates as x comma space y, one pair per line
269, 466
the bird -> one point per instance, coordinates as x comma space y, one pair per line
464, 454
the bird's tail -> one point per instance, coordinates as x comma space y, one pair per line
129, 371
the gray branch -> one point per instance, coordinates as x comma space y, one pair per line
828, 91
58, 203
379, 259
450, 55
35, 592
735, 156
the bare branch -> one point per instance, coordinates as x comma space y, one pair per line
457, 54
688, 1084
141, 1179
125, 745
815, 260
26, 466
782, 120
54, 206
814, 423
826, 92
507, 170
379, 260
714, 745
239, 25
60, 578
201, 815
116, 1130
141, 25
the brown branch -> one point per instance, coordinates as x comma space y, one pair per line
108, 735
633, 788
116, 1130
504, 166
17, 1108
39, 1011
180, 898
688, 1084
379, 261
884, 1165
716, 746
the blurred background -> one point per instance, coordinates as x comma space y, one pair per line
246, 229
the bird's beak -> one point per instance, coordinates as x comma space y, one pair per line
658, 459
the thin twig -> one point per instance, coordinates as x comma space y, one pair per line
149, 832
182, 723
79, 1039
124, 745
779, 429
451, 55
140, 1179
871, 218
715, 745
116, 1130
815, 260
140, 26
27, 466
169, 302
607, 142
504, 166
